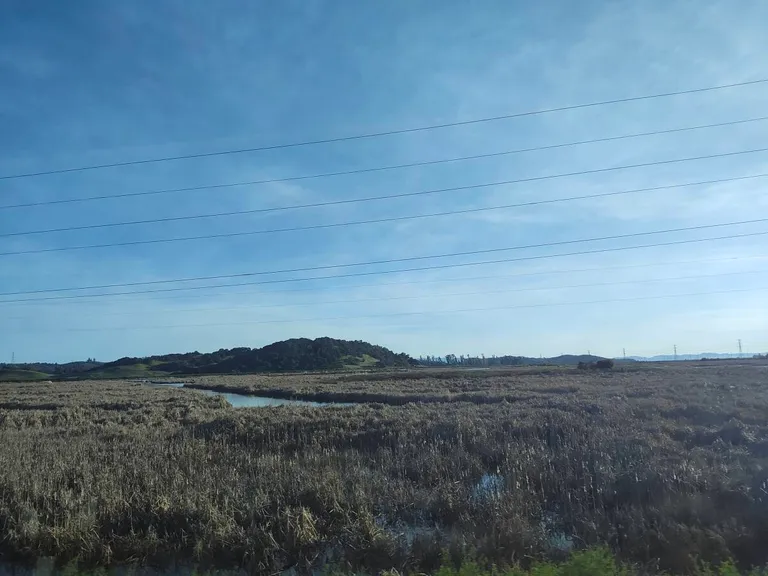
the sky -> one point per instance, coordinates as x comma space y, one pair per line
92, 83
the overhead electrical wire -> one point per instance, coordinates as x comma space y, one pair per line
422, 312
394, 196
283, 290
423, 296
398, 260
379, 272
379, 134
364, 170
417, 216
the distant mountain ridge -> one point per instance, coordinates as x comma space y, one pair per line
573, 359
699, 356
562, 360
54, 368
296, 354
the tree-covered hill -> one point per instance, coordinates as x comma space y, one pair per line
288, 355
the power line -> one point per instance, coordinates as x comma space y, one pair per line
435, 280
377, 168
84, 299
379, 272
423, 313
392, 196
439, 295
380, 134
397, 260
408, 217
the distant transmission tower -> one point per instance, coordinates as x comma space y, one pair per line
624, 353
739, 347
675, 348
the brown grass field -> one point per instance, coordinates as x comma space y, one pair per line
665, 464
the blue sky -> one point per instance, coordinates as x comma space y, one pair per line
99, 82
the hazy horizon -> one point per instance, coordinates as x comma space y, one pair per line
681, 354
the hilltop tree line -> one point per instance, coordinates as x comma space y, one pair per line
483, 360
469, 360
54, 368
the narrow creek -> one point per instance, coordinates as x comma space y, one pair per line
245, 401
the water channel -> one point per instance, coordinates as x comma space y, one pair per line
245, 401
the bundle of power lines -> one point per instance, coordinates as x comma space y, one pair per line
725, 230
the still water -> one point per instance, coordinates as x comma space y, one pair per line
244, 401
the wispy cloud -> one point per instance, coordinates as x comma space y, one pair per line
186, 78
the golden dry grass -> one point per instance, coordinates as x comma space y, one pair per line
666, 465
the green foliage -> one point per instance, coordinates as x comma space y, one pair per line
541, 569
124, 371
20, 375
726, 568
598, 562
592, 562
44, 370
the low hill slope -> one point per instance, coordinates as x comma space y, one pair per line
288, 355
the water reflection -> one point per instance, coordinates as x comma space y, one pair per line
245, 401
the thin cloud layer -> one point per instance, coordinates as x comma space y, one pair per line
189, 77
